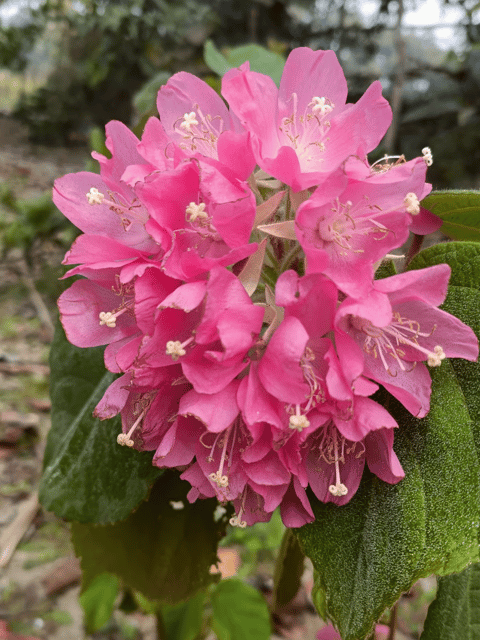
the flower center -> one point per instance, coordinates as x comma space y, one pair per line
306, 132
128, 213
200, 132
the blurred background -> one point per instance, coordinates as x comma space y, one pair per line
69, 66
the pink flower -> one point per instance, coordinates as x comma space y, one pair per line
390, 333
194, 122
201, 215
302, 132
206, 326
346, 227
105, 205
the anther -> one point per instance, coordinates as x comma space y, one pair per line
237, 521
175, 348
108, 318
338, 489
125, 439
320, 104
436, 356
412, 204
220, 481
427, 156
94, 196
189, 121
298, 422
195, 211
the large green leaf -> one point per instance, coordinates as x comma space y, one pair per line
239, 612
261, 60
455, 613
163, 551
463, 301
369, 551
460, 211
87, 476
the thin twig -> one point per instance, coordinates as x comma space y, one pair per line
36, 298
15, 531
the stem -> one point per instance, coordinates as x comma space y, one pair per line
161, 631
393, 622
294, 251
415, 247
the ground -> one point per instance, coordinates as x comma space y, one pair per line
39, 575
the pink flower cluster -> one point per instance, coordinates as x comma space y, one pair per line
257, 394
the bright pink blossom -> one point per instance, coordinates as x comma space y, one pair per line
302, 132
346, 227
390, 333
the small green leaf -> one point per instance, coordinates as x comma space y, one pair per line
455, 612
215, 59
98, 601
239, 612
460, 211
288, 570
87, 476
164, 553
184, 621
261, 60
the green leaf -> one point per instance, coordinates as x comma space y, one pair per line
87, 476
215, 59
145, 98
460, 211
239, 612
98, 601
463, 301
368, 552
184, 621
261, 60
288, 570
455, 613
163, 552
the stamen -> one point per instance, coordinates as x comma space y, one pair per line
435, 358
218, 477
337, 489
189, 121
390, 338
124, 439
109, 318
320, 104
175, 348
412, 204
298, 421
195, 211
427, 156
237, 521
94, 196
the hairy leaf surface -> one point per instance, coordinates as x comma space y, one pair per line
369, 551
87, 476
163, 551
